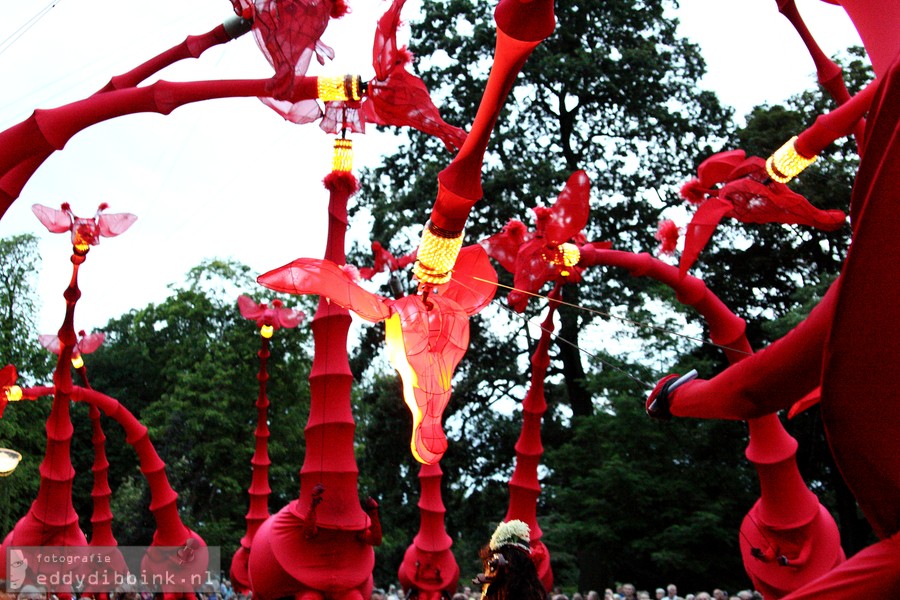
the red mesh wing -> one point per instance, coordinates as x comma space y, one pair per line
504, 246
754, 202
532, 271
322, 277
287, 32
403, 100
569, 214
340, 116
386, 56
474, 281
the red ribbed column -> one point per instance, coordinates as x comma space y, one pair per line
429, 567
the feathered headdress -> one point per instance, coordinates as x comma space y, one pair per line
512, 533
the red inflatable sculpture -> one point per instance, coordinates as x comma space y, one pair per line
269, 317
429, 570
788, 538
102, 517
320, 545
849, 343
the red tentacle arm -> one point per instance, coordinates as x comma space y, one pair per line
836, 124
170, 530
428, 566
191, 47
829, 73
744, 390
24, 147
524, 486
521, 26
787, 520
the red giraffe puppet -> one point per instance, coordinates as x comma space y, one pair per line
850, 343
175, 552
320, 545
269, 317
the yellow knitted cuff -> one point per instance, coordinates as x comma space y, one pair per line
437, 254
786, 163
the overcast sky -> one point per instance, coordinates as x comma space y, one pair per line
230, 178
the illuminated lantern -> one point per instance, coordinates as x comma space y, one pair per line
426, 338
547, 253
729, 184
85, 232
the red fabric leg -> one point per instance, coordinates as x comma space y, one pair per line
872, 573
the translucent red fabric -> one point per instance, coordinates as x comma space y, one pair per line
385, 261
86, 231
535, 257
396, 96
520, 28
730, 185
434, 332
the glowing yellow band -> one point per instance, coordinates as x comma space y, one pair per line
266, 331
571, 254
342, 160
436, 256
340, 88
13, 393
77, 361
787, 163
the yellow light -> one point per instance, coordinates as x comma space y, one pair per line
82, 248
77, 361
786, 163
570, 253
13, 393
266, 331
342, 159
437, 254
9, 460
341, 88
393, 337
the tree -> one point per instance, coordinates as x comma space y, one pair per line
612, 91
19, 265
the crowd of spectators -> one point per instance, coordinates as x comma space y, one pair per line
625, 591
